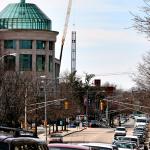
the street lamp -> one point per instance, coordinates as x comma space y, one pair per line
45, 98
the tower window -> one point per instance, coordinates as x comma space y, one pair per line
25, 62
9, 63
50, 64
10, 44
40, 62
40, 44
25, 44
51, 45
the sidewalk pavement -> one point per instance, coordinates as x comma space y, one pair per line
62, 133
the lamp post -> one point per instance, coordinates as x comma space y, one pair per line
45, 99
107, 109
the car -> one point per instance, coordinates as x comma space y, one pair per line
63, 146
55, 138
126, 145
93, 124
130, 138
141, 121
97, 146
17, 139
116, 138
17, 143
120, 131
140, 136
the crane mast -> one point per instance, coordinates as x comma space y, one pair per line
65, 28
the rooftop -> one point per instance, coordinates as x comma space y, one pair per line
24, 16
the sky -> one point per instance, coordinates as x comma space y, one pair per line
106, 44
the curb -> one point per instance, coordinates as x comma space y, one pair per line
74, 132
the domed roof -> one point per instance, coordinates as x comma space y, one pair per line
24, 16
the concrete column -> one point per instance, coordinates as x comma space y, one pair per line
47, 58
17, 56
34, 56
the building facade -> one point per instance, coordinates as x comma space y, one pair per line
26, 31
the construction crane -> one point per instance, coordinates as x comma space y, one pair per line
65, 28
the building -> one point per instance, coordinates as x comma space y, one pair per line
27, 31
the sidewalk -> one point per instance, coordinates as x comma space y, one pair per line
62, 133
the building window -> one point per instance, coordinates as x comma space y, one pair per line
25, 44
25, 62
40, 44
51, 45
9, 63
10, 44
57, 69
40, 62
50, 64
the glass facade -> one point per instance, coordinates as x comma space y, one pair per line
25, 44
40, 62
50, 64
40, 44
25, 62
10, 44
24, 16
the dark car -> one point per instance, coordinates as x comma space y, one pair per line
18, 139
21, 143
55, 138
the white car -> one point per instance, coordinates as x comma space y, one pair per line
130, 138
120, 131
141, 121
126, 145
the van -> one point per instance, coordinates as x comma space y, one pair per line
141, 121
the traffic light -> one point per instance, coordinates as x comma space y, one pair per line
102, 105
66, 104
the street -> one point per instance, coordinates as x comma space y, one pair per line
102, 135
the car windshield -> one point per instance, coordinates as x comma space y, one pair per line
130, 139
120, 129
126, 145
56, 135
141, 120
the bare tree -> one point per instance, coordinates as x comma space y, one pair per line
142, 78
142, 22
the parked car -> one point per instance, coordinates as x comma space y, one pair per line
141, 121
55, 138
126, 145
93, 124
116, 138
17, 139
67, 147
120, 131
130, 138
17, 143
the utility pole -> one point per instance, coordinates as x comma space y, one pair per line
45, 97
25, 110
107, 109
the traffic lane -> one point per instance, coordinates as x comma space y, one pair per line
103, 135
